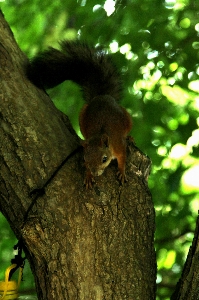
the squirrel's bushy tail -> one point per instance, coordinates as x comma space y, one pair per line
91, 68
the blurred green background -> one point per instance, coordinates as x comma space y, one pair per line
155, 45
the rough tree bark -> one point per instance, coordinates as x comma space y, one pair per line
95, 244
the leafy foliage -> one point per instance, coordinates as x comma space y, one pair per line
155, 45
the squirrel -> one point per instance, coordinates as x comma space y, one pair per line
103, 122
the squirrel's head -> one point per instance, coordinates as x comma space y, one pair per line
97, 154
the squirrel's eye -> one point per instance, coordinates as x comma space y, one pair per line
104, 159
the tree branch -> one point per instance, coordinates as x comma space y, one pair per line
96, 244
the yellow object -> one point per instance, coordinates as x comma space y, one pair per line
9, 289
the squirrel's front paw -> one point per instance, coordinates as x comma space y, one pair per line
122, 177
89, 180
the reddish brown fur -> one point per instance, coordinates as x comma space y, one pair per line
103, 115
103, 122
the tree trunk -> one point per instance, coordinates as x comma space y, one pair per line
95, 244
187, 287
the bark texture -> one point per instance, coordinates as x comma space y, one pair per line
91, 245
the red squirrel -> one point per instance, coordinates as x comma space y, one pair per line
103, 122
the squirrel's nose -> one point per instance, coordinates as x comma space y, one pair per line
96, 172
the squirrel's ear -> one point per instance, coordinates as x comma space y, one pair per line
105, 140
84, 143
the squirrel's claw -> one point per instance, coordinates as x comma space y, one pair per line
89, 180
122, 177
